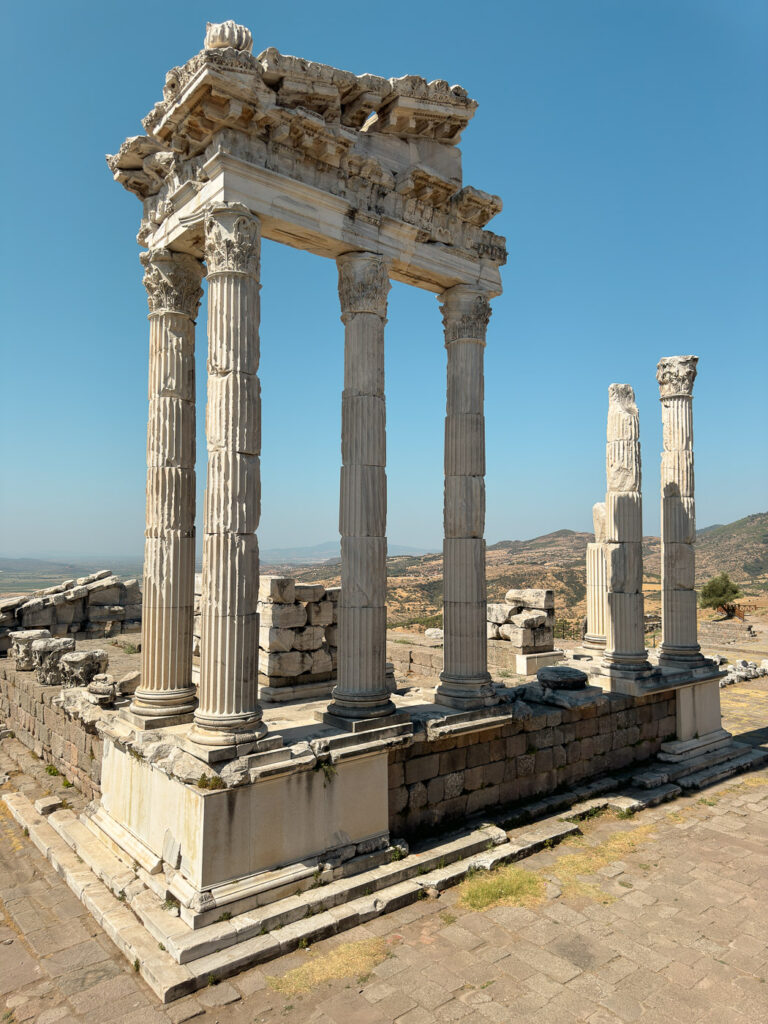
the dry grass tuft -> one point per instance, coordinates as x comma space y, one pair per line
503, 886
351, 959
573, 869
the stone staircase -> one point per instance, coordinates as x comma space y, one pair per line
704, 770
128, 901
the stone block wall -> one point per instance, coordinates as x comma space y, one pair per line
526, 618
68, 741
298, 643
436, 782
95, 606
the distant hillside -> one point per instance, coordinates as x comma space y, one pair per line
330, 551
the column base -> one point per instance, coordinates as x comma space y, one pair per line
156, 709
355, 706
226, 731
593, 643
680, 657
465, 693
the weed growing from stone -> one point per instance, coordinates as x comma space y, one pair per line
210, 782
51, 769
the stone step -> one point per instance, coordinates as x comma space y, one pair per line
668, 771
754, 758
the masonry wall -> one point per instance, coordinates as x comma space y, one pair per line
434, 783
70, 744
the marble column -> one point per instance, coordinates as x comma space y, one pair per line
624, 633
596, 583
361, 690
228, 711
679, 644
464, 681
166, 693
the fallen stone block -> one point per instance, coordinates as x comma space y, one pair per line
310, 592
539, 599
47, 804
47, 655
21, 647
79, 667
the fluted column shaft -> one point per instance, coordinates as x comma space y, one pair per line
596, 582
361, 690
624, 627
676, 375
464, 682
173, 288
229, 711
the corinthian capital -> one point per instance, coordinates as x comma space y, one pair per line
172, 280
676, 375
232, 240
363, 284
466, 312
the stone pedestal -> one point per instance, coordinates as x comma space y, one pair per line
166, 694
361, 691
625, 652
464, 682
228, 712
679, 645
596, 583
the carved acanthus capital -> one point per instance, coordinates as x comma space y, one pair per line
232, 240
363, 284
466, 312
173, 282
676, 375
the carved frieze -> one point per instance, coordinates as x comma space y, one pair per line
232, 240
173, 282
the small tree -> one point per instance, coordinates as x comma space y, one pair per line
720, 592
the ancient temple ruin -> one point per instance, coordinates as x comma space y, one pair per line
261, 833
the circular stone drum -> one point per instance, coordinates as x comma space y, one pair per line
561, 677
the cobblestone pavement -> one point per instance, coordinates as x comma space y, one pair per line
671, 927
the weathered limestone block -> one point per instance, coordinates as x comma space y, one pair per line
275, 639
284, 663
283, 616
499, 613
79, 667
280, 589
37, 613
310, 638
543, 599
307, 592
333, 594
106, 613
321, 661
332, 635
517, 636
46, 655
320, 613
529, 619
493, 630
21, 647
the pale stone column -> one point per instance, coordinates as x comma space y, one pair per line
229, 711
596, 583
464, 681
624, 634
361, 690
166, 692
679, 644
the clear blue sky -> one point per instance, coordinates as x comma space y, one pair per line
629, 142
